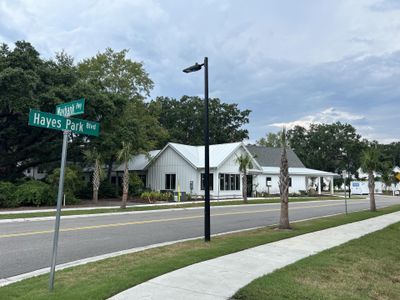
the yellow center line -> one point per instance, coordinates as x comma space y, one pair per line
155, 221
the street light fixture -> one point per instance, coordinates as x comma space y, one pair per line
194, 68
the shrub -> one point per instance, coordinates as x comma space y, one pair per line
35, 193
135, 184
166, 196
86, 192
6, 195
146, 196
72, 183
303, 193
106, 190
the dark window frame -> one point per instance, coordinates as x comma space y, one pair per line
229, 181
170, 181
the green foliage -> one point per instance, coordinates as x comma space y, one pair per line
34, 192
152, 196
107, 190
73, 183
184, 119
7, 190
27, 81
245, 162
271, 140
370, 160
329, 147
136, 185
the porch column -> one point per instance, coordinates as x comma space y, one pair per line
319, 185
332, 190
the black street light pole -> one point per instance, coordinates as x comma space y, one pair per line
194, 68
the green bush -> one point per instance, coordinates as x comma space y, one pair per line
136, 185
166, 196
107, 190
146, 196
35, 193
86, 192
73, 183
6, 195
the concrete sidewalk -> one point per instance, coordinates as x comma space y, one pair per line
221, 277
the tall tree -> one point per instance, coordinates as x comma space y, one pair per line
370, 163
184, 119
27, 81
121, 85
271, 140
284, 184
245, 163
92, 156
330, 147
124, 155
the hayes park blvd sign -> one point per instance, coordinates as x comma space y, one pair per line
62, 121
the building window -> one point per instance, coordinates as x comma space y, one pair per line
210, 181
229, 182
268, 181
290, 181
170, 180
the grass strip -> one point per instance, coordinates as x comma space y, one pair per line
102, 279
157, 207
366, 268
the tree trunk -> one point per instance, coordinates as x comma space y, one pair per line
284, 191
125, 186
96, 181
244, 181
371, 187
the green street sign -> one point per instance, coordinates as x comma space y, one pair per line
82, 126
51, 121
46, 120
76, 107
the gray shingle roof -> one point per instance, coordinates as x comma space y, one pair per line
271, 157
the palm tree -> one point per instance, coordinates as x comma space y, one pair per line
284, 184
124, 155
387, 176
244, 162
93, 156
370, 163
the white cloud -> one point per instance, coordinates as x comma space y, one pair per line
285, 60
327, 116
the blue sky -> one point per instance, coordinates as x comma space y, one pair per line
290, 62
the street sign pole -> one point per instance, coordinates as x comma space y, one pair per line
58, 214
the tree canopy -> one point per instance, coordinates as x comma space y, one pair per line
184, 120
116, 89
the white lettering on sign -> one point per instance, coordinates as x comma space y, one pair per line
75, 126
91, 126
46, 121
66, 111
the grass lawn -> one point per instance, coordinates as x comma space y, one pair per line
100, 280
366, 268
156, 206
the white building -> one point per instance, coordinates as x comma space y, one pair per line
181, 167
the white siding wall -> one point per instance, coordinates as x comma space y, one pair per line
298, 183
170, 162
230, 166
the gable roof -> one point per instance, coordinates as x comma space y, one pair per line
271, 157
195, 154
138, 162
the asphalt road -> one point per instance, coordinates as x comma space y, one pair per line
26, 246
